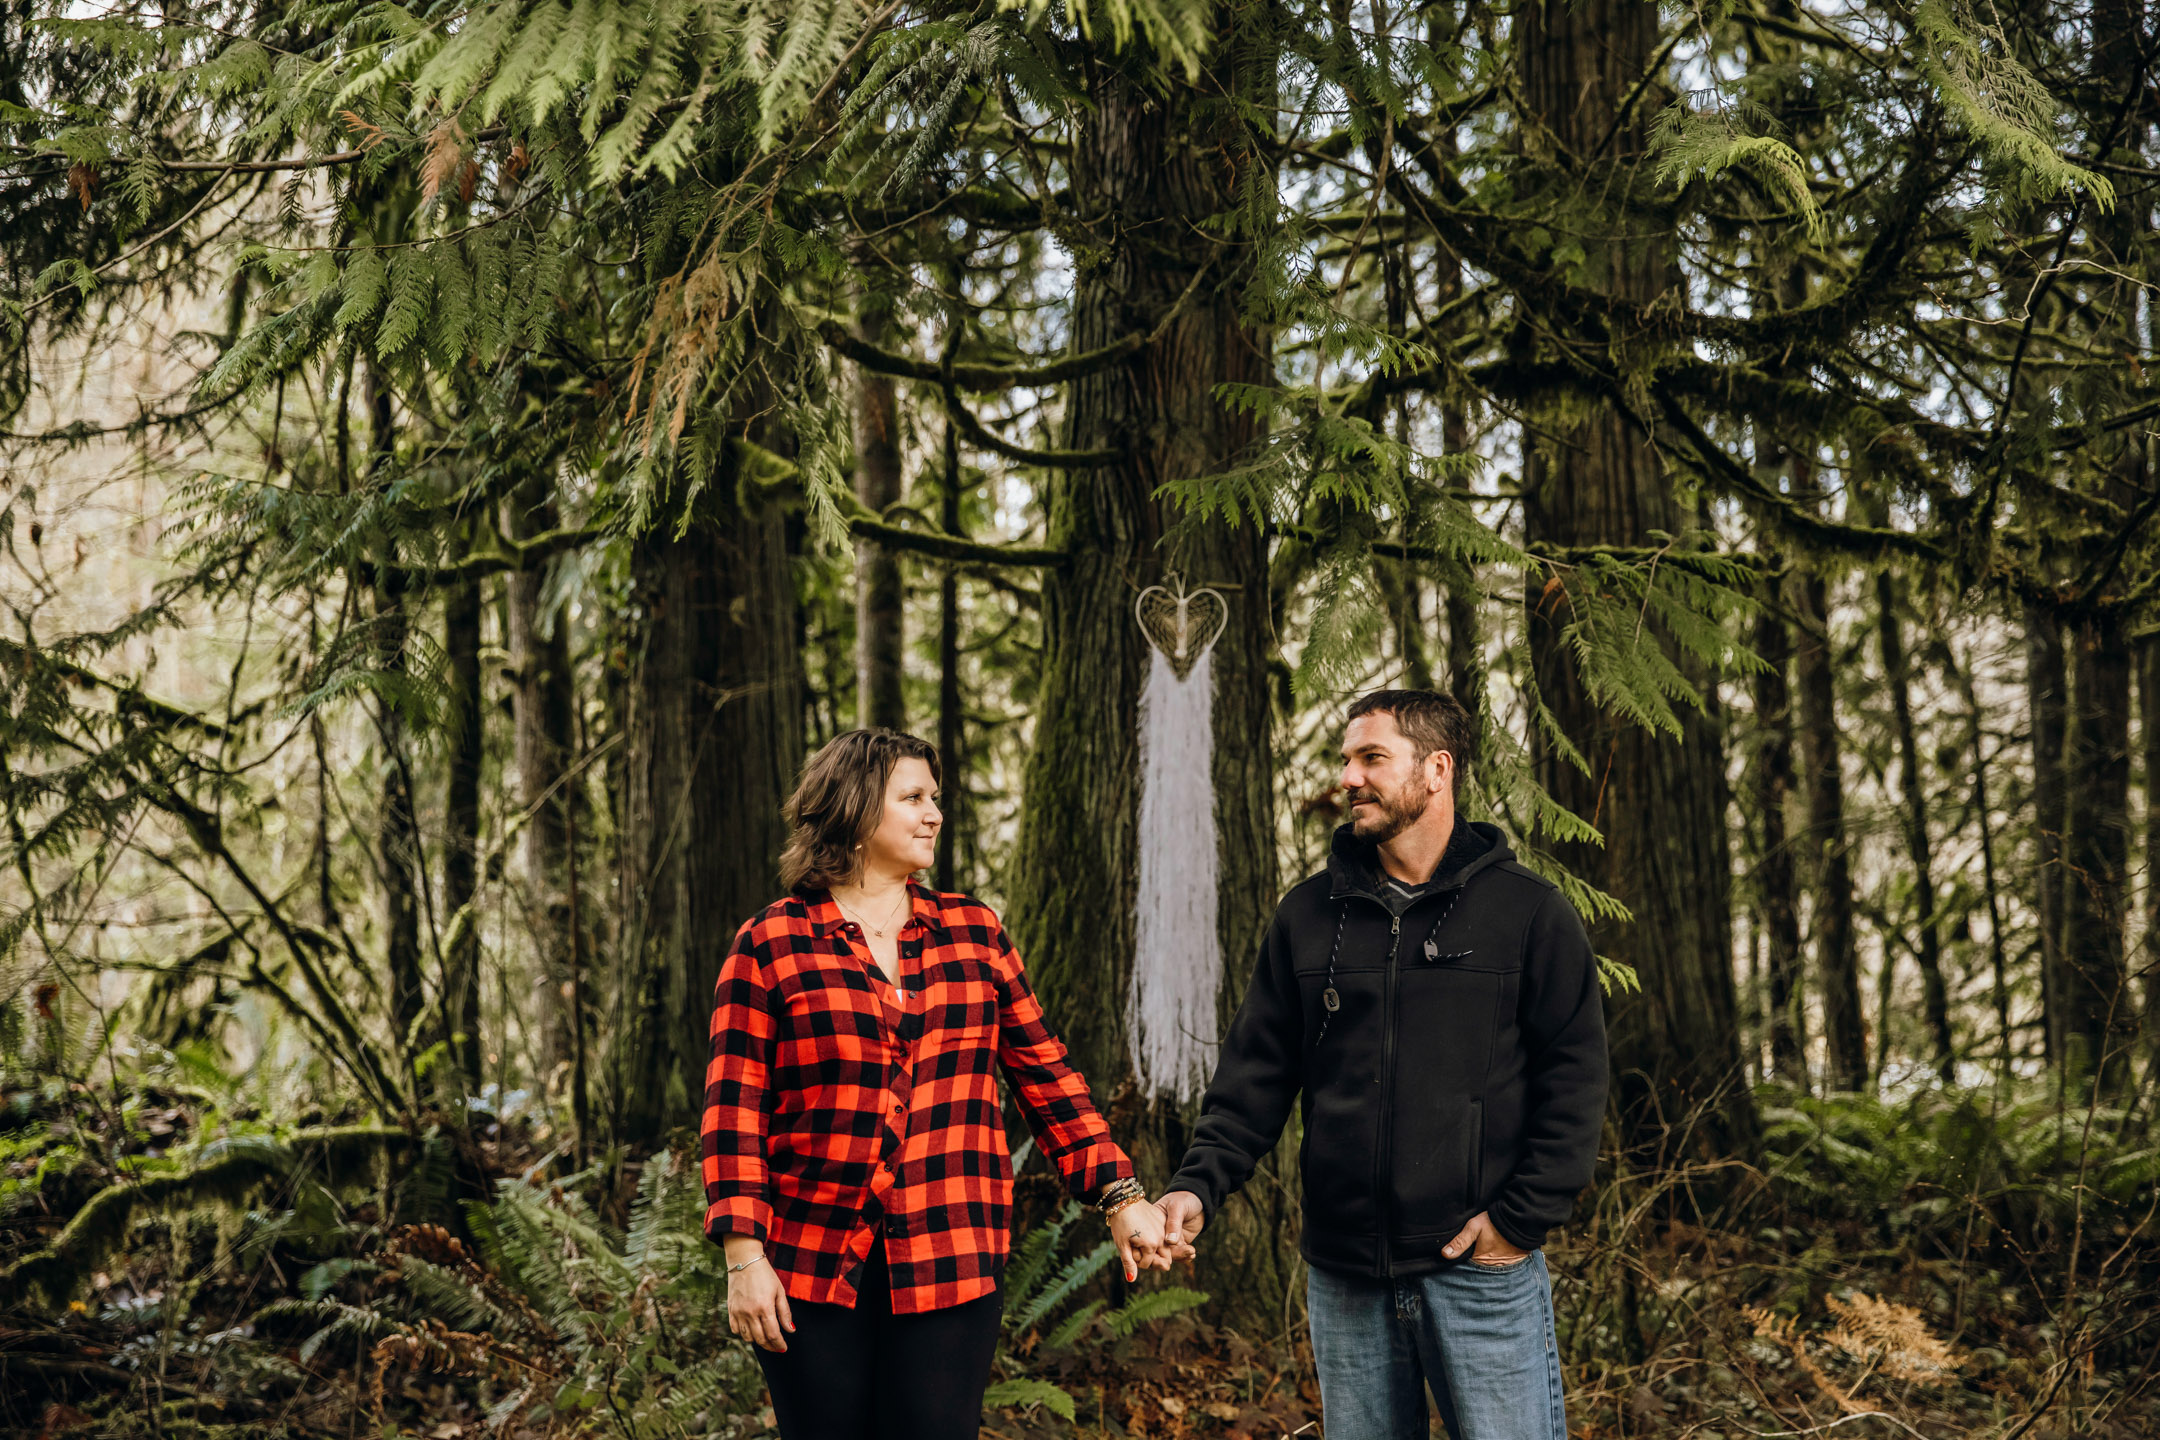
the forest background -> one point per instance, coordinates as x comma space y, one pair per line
460, 458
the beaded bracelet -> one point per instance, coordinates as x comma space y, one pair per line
1125, 1204
1117, 1194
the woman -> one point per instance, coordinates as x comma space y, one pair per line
855, 1159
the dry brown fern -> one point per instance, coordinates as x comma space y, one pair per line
1893, 1337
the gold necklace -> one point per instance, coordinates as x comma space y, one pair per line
861, 920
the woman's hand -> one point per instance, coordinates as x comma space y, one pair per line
1137, 1230
757, 1304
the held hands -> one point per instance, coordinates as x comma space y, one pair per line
757, 1304
1137, 1230
1183, 1216
1485, 1245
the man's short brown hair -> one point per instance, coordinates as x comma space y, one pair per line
1430, 720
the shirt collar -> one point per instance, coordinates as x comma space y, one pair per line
826, 915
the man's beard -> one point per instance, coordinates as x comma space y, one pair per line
1388, 815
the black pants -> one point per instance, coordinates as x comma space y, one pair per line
868, 1374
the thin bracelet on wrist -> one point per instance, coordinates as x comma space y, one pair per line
1118, 1194
1125, 1204
747, 1263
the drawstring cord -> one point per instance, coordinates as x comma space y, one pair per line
1330, 1001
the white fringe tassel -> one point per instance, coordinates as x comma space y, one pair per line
1177, 961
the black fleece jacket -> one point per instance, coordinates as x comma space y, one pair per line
1462, 1068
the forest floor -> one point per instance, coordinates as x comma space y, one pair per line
266, 1319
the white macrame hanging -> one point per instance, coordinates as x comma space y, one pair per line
1177, 961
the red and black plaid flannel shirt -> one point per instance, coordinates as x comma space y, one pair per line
835, 1104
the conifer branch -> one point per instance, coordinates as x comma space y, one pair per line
1870, 541
506, 555
979, 435
305, 162
978, 377
951, 547
127, 698
936, 543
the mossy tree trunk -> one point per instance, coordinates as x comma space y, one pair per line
1776, 885
880, 638
1837, 951
461, 834
713, 729
543, 744
1912, 783
1660, 801
1152, 161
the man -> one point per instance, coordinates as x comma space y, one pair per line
1433, 1007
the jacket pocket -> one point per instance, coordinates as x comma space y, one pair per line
1434, 1170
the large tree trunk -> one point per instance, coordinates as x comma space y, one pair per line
879, 637
1464, 590
1837, 952
1775, 883
542, 710
2149, 738
713, 738
461, 834
2097, 1006
397, 829
1148, 167
1897, 669
952, 714
2047, 689
1659, 801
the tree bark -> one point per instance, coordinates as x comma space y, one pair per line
1147, 168
1897, 669
2099, 1009
2047, 688
880, 639
2149, 738
1149, 165
1659, 801
952, 718
1837, 957
461, 834
542, 711
1463, 590
2097, 1006
1775, 882
1465, 662
712, 741
397, 830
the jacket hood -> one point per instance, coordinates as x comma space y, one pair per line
1474, 846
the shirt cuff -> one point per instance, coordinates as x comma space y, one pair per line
738, 1215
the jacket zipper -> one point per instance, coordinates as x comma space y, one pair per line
1381, 1168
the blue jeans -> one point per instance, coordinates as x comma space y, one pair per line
1481, 1336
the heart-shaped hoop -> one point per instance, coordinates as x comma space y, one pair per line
1183, 624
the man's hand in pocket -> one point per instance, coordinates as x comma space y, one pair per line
1485, 1245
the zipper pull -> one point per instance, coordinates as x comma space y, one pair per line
1395, 926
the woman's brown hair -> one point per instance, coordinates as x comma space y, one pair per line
839, 801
